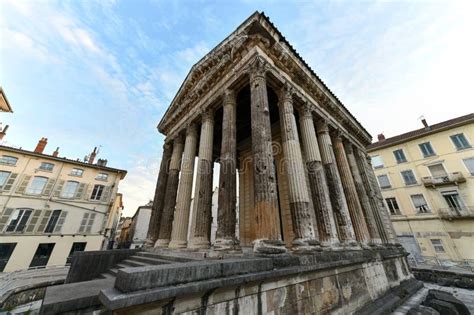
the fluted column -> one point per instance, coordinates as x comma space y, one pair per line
226, 204
268, 234
202, 206
382, 211
318, 183
363, 196
183, 202
338, 200
303, 228
353, 203
159, 198
164, 232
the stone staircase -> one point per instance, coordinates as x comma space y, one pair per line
84, 295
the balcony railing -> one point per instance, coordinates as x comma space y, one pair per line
451, 213
451, 178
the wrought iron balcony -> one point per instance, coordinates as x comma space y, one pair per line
451, 213
450, 178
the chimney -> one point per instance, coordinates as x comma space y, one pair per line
92, 156
41, 145
102, 162
3, 133
56, 152
381, 137
425, 123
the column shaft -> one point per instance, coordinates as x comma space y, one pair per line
164, 232
318, 184
226, 204
303, 228
183, 202
268, 232
159, 198
338, 200
353, 203
363, 196
202, 206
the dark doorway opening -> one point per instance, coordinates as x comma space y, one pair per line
76, 247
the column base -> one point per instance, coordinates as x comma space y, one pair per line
162, 243
199, 243
269, 247
331, 244
148, 243
176, 244
226, 244
302, 246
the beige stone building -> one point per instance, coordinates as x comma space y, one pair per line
52, 206
4, 104
427, 182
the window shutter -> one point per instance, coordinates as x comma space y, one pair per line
48, 187
4, 218
82, 228
80, 191
91, 222
9, 183
87, 195
44, 221
106, 194
58, 188
22, 187
60, 223
34, 219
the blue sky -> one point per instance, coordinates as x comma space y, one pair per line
89, 73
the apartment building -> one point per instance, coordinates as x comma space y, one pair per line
427, 182
52, 206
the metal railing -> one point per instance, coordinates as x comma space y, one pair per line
456, 213
465, 265
12, 281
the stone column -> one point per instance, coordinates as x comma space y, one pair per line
164, 232
353, 203
382, 211
268, 234
318, 184
338, 200
159, 198
226, 204
303, 228
183, 202
363, 196
202, 205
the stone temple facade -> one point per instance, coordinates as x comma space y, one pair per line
305, 181
313, 238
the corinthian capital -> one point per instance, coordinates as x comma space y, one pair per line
258, 68
229, 97
286, 93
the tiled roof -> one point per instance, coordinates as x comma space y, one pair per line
63, 159
447, 124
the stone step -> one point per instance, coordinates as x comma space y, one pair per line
113, 271
150, 260
169, 257
134, 262
123, 265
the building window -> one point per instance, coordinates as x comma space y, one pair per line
437, 245
77, 172
437, 170
53, 220
8, 160
426, 149
384, 181
469, 162
376, 161
399, 156
420, 203
3, 178
18, 220
37, 185
46, 166
69, 189
453, 200
409, 177
392, 206
460, 141
97, 192
102, 176
76, 247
